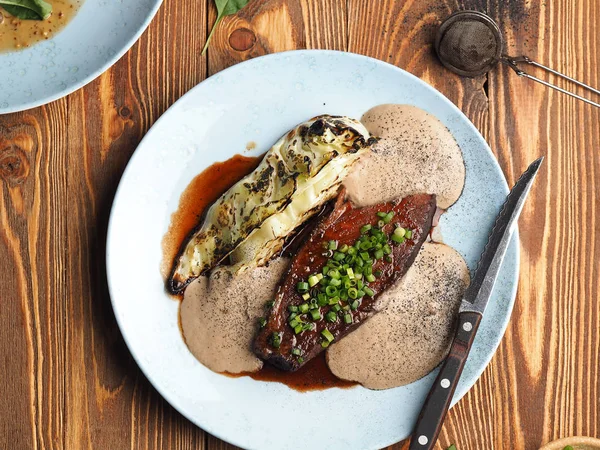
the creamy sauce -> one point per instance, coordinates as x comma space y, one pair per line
416, 154
16, 34
412, 335
219, 315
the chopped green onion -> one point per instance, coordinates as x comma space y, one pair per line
303, 308
378, 254
344, 248
298, 328
353, 293
334, 273
365, 228
351, 251
335, 282
365, 246
325, 270
296, 351
300, 359
378, 273
331, 316
400, 232
292, 308
262, 322
381, 214
331, 291
358, 276
388, 217
369, 291
397, 239
371, 278
293, 322
354, 305
338, 256
327, 335
350, 273
387, 249
332, 245
380, 224
334, 300
276, 340
336, 308
360, 294
388, 258
308, 326
364, 256
322, 300
324, 344
313, 280
333, 264
408, 234
293, 315
368, 270
359, 284
315, 314
344, 295
302, 287
305, 296
319, 276
348, 318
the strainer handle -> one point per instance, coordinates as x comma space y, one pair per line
513, 61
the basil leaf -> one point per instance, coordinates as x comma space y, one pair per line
224, 8
27, 9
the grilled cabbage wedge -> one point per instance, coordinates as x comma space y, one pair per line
296, 176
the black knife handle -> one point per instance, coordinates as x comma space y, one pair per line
433, 413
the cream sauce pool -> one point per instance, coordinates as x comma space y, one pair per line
17, 34
415, 154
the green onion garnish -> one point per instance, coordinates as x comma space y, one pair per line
371, 278
380, 224
332, 245
262, 322
324, 344
305, 296
408, 234
300, 359
308, 326
397, 239
334, 273
292, 308
296, 351
322, 300
387, 249
303, 308
313, 280
365, 228
364, 256
353, 293
331, 291
315, 314
348, 318
354, 305
334, 300
302, 287
338, 256
399, 231
327, 335
369, 291
293, 322
378, 254
331, 316
350, 272
298, 328
388, 217
336, 308
381, 214
325, 270
276, 340
335, 282
360, 294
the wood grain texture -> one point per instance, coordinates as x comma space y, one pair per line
67, 379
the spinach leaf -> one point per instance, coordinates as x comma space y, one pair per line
27, 9
224, 8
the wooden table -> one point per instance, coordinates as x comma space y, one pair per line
67, 379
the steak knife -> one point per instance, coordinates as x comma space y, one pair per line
470, 313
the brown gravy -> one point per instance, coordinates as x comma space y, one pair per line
313, 376
202, 191
17, 34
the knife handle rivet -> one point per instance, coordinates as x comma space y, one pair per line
423, 440
467, 326
445, 383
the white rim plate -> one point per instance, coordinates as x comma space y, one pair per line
97, 37
258, 101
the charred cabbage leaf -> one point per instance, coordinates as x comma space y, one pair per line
300, 172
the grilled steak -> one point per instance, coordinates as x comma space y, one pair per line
332, 285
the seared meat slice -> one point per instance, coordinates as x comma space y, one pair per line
332, 285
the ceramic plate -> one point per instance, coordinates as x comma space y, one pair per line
99, 34
259, 100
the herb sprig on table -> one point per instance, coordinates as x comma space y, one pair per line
27, 9
224, 8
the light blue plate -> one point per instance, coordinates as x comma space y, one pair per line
260, 100
100, 33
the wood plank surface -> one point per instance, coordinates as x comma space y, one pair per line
67, 378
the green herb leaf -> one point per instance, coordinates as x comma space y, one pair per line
452, 447
224, 8
27, 9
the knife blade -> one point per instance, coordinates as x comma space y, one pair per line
471, 311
